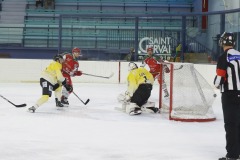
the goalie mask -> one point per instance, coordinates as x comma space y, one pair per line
227, 39
132, 66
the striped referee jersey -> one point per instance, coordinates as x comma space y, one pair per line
228, 71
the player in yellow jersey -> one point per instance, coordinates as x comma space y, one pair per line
52, 80
139, 90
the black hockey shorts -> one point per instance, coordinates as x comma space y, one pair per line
142, 94
47, 87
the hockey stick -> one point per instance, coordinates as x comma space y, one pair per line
99, 75
81, 100
180, 67
20, 105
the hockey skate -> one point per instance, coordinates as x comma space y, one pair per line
64, 101
149, 107
32, 109
135, 111
58, 103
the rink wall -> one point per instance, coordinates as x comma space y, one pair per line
29, 70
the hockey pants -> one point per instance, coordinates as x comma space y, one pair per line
142, 94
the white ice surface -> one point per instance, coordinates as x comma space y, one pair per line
99, 132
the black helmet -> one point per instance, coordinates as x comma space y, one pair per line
57, 57
227, 39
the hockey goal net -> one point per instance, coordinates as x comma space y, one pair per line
190, 95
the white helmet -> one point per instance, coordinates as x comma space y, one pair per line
132, 66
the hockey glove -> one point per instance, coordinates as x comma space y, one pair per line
218, 87
218, 81
68, 87
71, 74
77, 73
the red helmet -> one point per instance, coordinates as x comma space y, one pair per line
150, 49
75, 49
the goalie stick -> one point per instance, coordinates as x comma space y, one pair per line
18, 106
99, 75
81, 100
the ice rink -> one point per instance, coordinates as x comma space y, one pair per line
99, 132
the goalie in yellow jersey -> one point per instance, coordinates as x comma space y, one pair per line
52, 80
139, 90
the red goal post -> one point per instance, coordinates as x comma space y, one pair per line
190, 95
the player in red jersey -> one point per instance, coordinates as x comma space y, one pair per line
70, 69
153, 61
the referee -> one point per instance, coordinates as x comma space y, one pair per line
228, 81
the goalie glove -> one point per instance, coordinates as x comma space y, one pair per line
124, 97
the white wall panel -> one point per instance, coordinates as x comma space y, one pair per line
29, 70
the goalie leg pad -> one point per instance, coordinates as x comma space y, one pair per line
124, 105
130, 107
121, 98
133, 109
149, 104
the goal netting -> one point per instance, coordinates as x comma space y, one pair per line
190, 95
